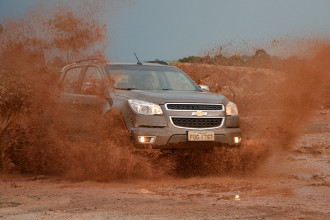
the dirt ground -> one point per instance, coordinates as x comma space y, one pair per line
290, 185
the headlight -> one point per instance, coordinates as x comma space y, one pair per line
145, 108
231, 109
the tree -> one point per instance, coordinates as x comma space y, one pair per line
261, 59
261, 53
190, 59
1, 28
235, 60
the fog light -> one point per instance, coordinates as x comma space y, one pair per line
146, 139
237, 140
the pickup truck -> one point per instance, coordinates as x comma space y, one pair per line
161, 106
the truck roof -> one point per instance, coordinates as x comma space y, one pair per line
96, 61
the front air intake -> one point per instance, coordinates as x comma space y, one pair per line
197, 122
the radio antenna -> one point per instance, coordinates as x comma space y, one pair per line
139, 62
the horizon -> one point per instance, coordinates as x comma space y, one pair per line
175, 29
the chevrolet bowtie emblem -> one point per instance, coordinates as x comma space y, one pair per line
199, 113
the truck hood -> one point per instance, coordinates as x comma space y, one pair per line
162, 97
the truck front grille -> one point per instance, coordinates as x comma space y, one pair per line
194, 107
197, 122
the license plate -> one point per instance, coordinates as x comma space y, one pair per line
200, 136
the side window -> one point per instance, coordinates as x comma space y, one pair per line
92, 82
71, 80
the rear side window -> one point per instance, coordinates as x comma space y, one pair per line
71, 80
92, 82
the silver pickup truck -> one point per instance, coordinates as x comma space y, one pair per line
161, 106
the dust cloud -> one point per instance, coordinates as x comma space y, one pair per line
33, 51
274, 104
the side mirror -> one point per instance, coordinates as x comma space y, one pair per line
204, 88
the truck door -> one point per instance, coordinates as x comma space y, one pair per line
91, 101
66, 112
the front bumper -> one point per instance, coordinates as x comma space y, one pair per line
167, 137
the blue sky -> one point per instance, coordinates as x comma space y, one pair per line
173, 29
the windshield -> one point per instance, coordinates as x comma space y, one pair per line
141, 77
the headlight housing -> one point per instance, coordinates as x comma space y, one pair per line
145, 108
231, 109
